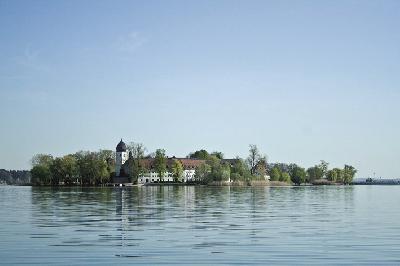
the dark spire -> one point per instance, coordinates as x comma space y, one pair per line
121, 147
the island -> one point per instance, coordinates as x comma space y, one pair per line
129, 165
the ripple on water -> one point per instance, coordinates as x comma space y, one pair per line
189, 225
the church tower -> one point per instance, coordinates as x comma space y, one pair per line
121, 157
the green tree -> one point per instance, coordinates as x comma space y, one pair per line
109, 157
84, 167
331, 175
218, 154
314, 173
69, 169
201, 154
102, 173
177, 170
57, 171
324, 168
240, 171
285, 177
335, 175
42, 159
219, 171
236, 177
40, 175
137, 151
40, 171
202, 173
298, 175
275, 174
225, 172
160, 163
348, 174
92, 168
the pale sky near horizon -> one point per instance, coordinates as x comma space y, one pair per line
304, 80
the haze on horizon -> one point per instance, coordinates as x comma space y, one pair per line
304, 80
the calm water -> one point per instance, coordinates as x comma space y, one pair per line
189, 225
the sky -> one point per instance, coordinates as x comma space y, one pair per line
303, 80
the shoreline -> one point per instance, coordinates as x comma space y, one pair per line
209, 185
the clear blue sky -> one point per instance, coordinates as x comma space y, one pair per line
304, 80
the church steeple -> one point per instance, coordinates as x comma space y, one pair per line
121, 157
121, 147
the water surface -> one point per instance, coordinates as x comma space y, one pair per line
191, 225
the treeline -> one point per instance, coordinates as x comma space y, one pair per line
318, 174
15, 177
82, 168
256, 168
218, 169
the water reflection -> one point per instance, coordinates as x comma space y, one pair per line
187, 224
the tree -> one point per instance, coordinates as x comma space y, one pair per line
160, 163
202, 173
219, 171
324, 168
348, 174
70, 169
240, 171
40, 175
275, 174
106, 154
81, 163
109, 157
218, 154
177, 170
285, 177
42, 159
335, 175
137, 151
225, 172
103, 175
57, 171
201, 154
40, 171
261, 168
314, 173
298, 175
253, 158
235, 177
92, 168
84, 166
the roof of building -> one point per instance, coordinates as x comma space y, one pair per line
121, 147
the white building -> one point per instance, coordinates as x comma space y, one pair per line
150, 176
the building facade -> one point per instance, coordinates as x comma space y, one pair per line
150, 175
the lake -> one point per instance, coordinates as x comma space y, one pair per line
194, 224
